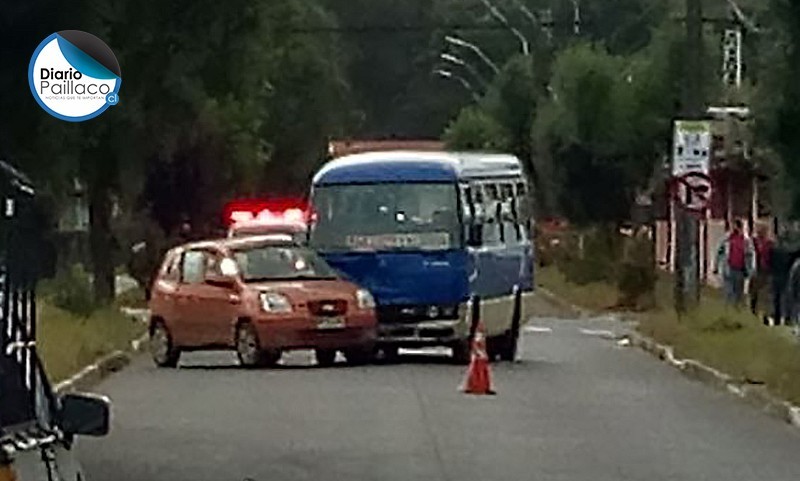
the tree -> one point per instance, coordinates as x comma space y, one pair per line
475, 129
779, 94
586, 130
208, 102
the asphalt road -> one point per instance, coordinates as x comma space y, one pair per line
577, 407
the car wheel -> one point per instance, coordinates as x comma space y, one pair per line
326, 357
461, 352
249, 351
162, 349
359, 355
390, 354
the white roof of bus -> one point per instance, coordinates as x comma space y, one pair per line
464, 164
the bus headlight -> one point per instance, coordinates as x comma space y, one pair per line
450, 312
275, 303
365, 299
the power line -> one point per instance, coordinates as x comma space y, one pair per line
400, 28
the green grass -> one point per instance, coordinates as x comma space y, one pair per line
733, 341
594, 296
67, 342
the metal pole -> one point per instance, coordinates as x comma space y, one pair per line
527, 12
463, 43
467, 85
461, 63
475, 317
687, 278
526, 50
576, 8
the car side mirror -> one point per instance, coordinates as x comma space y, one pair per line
85, 414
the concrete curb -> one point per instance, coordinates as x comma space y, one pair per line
106, 365
579, 311
753, 394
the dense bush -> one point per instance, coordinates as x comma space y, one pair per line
71, 290
637, 274
595, 259
605, 255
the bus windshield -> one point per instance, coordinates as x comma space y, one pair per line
373, 217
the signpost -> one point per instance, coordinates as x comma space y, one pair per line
693, 191
692, 147
690, 155
691, 158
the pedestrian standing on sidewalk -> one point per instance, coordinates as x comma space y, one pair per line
781, 263
735, 262
760, 284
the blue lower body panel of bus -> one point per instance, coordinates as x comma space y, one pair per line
421, 296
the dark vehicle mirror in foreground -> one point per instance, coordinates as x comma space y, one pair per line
85, 414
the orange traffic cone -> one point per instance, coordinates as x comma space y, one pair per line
479, 378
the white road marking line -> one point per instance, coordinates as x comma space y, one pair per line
598, 333
539, 329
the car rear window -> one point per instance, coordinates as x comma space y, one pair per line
281, 262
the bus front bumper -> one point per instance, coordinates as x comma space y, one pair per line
423, 333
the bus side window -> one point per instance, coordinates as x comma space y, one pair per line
510, 216
474, 203
523, 211
493, 227
467, 207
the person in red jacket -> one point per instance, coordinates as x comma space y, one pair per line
763, 249
735, 263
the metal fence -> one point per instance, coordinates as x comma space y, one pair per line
24, 394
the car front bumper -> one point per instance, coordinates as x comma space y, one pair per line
304, 333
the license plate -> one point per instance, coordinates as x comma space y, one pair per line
330, 323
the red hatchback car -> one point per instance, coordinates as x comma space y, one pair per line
259, 296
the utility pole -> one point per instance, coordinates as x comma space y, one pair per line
576, 14
687, 278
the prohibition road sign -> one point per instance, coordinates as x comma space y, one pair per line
693, 191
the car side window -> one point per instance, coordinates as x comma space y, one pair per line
193, 267
172, 271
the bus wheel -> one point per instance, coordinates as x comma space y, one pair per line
508, 346
495, 346
508, 349
461, 352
